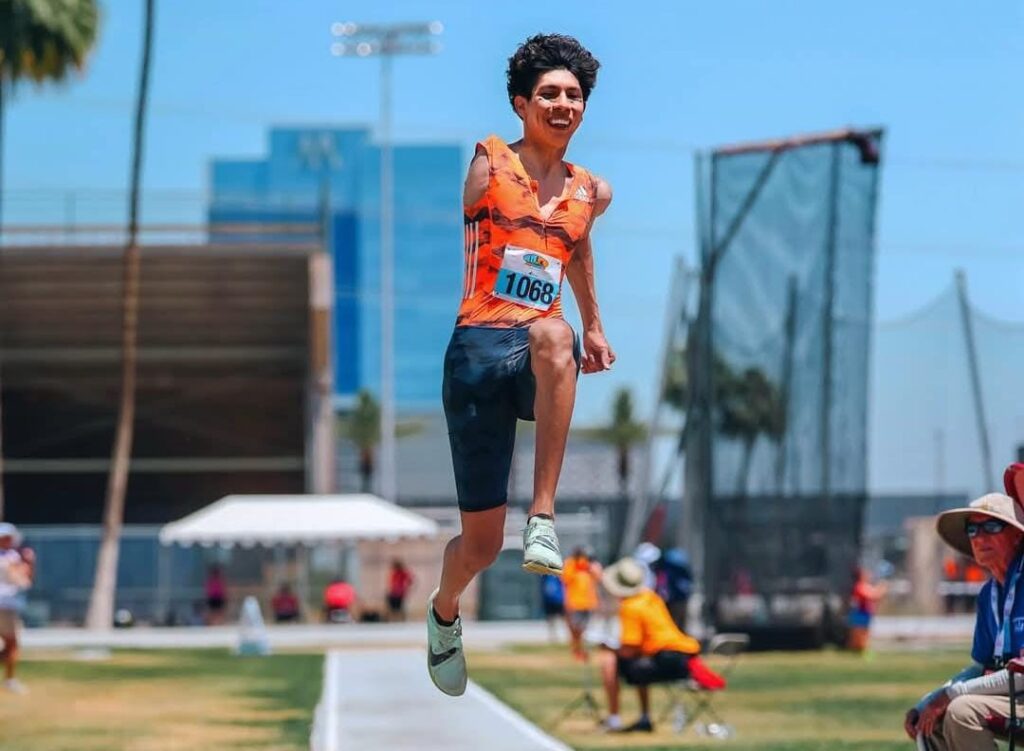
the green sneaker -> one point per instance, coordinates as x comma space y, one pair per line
540, 547
446, 661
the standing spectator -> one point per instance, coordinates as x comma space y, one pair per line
580, 576
15, 577
647, 554
675, 583
285, 605
216, 595
552, 598
863, 603
399, 583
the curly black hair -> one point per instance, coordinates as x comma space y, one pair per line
543, 52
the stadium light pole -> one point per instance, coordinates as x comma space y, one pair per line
386, 41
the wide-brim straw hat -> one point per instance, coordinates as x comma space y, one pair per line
624, 578
951, 525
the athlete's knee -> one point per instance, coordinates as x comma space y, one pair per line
551, 343
481, 551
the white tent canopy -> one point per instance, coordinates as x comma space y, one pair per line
250, 520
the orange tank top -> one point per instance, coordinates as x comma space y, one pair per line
515, 260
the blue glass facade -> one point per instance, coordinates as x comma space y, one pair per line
308, 169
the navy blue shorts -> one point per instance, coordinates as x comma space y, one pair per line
488, 385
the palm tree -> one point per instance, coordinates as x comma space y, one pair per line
362, 427
750, 406
40, 40
101, 602
622, 432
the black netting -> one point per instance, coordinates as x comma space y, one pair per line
788, 264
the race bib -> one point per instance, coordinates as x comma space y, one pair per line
528, 277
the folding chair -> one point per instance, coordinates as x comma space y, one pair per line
1010, 728
688, 701
585, 702
1004, 728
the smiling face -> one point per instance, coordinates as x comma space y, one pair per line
554, 110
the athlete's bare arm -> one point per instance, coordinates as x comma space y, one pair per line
597, 355
477, 179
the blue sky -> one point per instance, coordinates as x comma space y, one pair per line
942, 77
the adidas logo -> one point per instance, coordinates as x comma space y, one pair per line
581, 194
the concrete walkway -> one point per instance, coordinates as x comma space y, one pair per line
383, 699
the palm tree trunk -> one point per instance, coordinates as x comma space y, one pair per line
366, 470
623, 471
744, 473
101, 603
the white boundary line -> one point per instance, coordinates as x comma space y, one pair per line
542, 739
327, 727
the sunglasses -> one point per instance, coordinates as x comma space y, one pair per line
987, 527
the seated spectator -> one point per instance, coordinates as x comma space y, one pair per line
285, 605
651, 647
339, 600
959, 715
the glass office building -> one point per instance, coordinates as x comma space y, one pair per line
331, 177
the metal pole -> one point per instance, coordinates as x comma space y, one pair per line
972, 364
386, 41
787, 384
643, 497
388, 481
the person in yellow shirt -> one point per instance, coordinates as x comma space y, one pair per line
651, 647
580, 576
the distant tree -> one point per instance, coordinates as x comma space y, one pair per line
750, 405
361, 426
622, 432
40, 40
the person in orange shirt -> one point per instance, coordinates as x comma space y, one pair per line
651, 647
527, 216
580, 576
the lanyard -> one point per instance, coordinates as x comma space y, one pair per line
1003, 640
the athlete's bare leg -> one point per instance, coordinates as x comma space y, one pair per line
554, 369
467, 554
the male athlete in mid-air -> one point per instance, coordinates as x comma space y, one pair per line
528, 216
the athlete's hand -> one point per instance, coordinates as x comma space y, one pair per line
597, 355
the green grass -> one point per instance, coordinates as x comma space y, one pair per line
163, 701
776, 701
